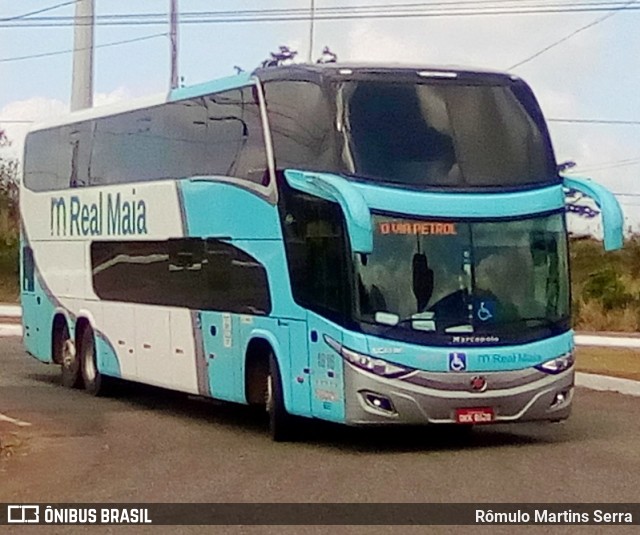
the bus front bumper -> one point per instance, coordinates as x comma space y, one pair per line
446, 398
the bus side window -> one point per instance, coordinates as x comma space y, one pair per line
185, 254
74, 157
28, 270
301, 120
316, 247
234, 280
194, 273
218, 260
43, 152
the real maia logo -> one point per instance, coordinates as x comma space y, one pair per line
113, 214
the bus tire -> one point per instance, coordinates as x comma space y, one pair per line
94, 382
280, 421
64, 347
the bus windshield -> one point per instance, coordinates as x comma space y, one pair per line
441, 134
499, 281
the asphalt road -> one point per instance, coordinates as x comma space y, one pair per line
151, 445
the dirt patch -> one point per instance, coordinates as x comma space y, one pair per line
12, 443
615, 362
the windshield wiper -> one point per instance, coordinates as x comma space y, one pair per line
431, 325
428, 324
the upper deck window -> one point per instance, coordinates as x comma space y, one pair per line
422, 135
215, 135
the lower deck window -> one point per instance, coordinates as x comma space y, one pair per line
194, 273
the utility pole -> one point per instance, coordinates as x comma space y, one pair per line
312, 30
82, 76
173, 34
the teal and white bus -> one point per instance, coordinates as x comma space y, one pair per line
360, 244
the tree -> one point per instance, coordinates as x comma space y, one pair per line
9, 211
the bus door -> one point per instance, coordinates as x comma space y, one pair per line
300, 370
30, 303
222, 352
327, 380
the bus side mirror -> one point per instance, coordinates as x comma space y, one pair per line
612, 218
337, 189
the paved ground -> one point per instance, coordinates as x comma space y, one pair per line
153, 445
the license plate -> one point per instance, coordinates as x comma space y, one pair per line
483, 415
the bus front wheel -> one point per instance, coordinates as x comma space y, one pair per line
94, 381
65, 350
280, 421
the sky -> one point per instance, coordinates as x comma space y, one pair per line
593, 74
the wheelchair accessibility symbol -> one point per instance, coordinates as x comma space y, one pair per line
457, 362
485, 311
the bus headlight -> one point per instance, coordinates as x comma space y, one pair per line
367, 362
557, 365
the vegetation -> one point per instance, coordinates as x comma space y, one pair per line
9, 226
606, 286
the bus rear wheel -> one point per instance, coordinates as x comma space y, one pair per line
280, 421
65, 350
94, 382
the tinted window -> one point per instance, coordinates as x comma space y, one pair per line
42, 169
301, 125
317, 248
235, 136
187, 272
443, 135
218, 134
75, 154
28, 268
440, 134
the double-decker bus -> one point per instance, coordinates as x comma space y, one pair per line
360, 244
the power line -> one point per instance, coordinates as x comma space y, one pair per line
611, 165
454, 5
328, 14
628, 5
43, 10
70, 50
593, 121
14, 121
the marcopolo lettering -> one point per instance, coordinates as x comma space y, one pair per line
111, 215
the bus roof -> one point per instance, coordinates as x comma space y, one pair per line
329, 70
